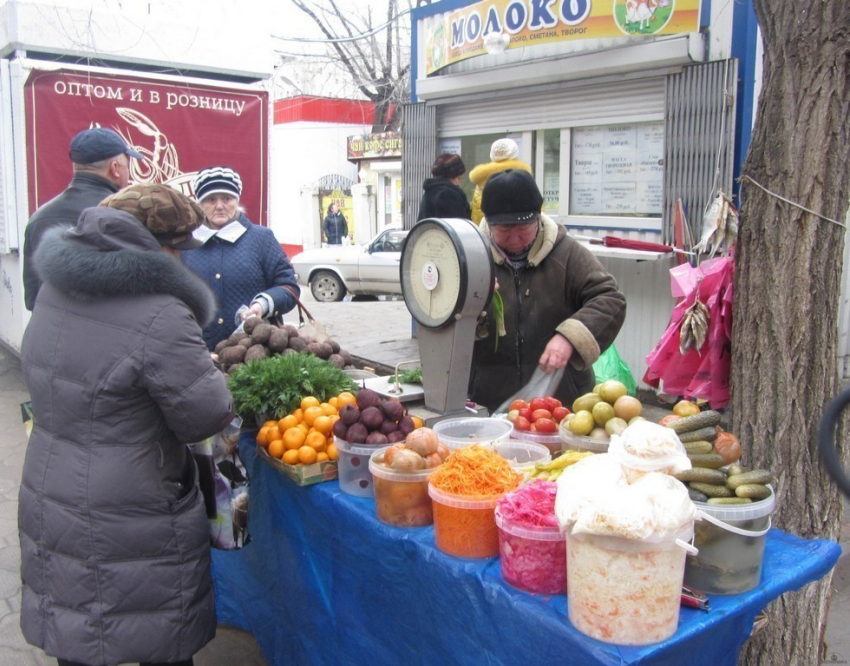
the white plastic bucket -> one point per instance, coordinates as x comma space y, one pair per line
353, 468
462, 432
730, 539
401, 498
543, 546
626, 591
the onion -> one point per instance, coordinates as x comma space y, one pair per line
433, 460
443, 450
422, 440
390, 452
405, 460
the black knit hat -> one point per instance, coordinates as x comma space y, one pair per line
511, 197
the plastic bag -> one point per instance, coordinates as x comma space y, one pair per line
610, 366
540, 385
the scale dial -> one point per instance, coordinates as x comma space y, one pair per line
435, 270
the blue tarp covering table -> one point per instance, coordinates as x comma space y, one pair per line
325, 582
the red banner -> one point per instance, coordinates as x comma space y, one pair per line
180, 128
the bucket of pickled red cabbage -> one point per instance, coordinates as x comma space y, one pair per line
532, 550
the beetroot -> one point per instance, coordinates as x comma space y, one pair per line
372, 418
349, 414
392, 409
356, 434
406, 425
367, 398
340, 429
376, 439
395, 436
388, 426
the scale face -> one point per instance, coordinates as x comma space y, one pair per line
447, 281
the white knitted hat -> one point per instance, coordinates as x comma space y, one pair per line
217, 180
504, 149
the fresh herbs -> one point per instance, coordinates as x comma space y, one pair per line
408, 376
273, 387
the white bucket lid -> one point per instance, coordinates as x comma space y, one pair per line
740, 511
354, 449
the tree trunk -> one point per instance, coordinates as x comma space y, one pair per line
787, 286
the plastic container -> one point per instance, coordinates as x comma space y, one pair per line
625, 591
401, 498
461, 432
551, 442
532, 559
730, 538
522, 454
572, 442
354, 475
464, 526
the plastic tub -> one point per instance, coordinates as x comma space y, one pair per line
572, 442
353, 468
522, 454
401, 498
461, 432
551, 442
532, 559
731, 552
625, 591
464, 526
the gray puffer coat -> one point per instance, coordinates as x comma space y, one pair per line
114, 535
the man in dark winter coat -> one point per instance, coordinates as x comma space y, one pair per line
115, 541
562, 309
101, 162
443, 196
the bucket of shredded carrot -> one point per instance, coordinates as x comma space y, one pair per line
465, 489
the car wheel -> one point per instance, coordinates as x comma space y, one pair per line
327, 287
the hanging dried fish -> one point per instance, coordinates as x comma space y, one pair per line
694, 330
719, 225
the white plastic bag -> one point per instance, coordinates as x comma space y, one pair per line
540, 385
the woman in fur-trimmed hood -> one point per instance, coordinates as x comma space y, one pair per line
503, 156
115, 556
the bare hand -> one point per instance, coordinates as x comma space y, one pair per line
556, 355
256, 310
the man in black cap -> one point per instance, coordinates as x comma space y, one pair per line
101, 160
562, 309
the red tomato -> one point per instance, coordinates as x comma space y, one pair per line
518, 404
533, 428
560, 413
537, 403
546, 426
522, 423
552, 403
538, 414
669, 419
525, 413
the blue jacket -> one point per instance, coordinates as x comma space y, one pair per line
238, 271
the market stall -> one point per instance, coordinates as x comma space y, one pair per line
324, 582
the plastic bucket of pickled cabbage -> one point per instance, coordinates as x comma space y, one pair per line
460, 432
353, 468
465, 526
730, 538
532, 558
401, 498
626, 591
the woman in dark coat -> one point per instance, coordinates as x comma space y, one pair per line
335, 226
443, 196
115, 541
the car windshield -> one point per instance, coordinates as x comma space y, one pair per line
389, 241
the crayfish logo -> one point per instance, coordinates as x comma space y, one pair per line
642, 17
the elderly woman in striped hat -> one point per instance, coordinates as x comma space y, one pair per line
241, 261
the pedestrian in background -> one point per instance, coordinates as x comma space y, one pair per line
443, 196
101, 161
242, 262
503, 156
562, 309
335, 226
115, 541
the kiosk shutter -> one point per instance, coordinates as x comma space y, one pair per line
419, 137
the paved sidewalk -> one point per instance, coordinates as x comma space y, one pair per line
376, 331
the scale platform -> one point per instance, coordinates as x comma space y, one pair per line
385, 387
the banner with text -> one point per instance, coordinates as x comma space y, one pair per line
368, 146
500, 24
179, 128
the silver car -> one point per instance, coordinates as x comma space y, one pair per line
371, 269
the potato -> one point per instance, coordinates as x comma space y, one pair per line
245, 342
314, 348
325, 350
221, 345
292, 330
256, 352
297, 343
278, 340
235, 338
251, 323
337, 360
262, 333
231, 355
334, 346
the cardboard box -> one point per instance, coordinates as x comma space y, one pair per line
303, 475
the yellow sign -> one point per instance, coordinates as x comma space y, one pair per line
500, 24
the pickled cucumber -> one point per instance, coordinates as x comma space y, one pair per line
755, 491
756, 476
714, 477
711, 490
